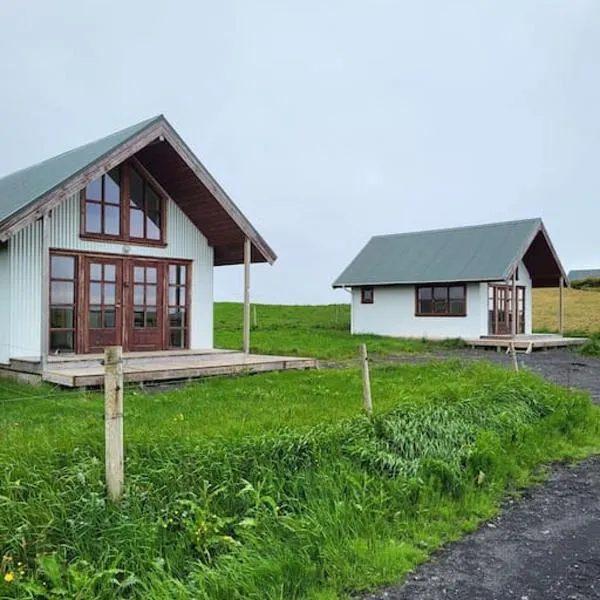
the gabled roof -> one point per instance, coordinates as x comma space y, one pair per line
475, 253
26, 194
579, 274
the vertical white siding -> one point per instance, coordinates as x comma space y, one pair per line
393, 313
25, 263
5, 303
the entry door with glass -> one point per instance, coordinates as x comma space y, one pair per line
501, 310
103, 302
144, 317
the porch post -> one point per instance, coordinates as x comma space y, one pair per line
44, 320
561, 306
513, 304
247, 252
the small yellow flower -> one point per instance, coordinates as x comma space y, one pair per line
9, 577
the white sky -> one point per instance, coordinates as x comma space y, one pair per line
330, 122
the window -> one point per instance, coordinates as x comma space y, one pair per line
441, 301
122, 205
145, 297
102, 299
62, 303
178, 319
367, 295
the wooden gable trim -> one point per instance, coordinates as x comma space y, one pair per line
512, 268
218, 193
74, 184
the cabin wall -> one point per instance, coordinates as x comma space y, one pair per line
393, 313
5, 303
184, 241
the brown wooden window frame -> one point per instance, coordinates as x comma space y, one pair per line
125, 209
62, 305
178, 285
367, 295
446, 312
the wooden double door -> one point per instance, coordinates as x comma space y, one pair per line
123, 301
501, 312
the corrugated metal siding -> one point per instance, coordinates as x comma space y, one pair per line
5, 304
25, 280
184, 241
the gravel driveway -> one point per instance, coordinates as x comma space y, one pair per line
546, 546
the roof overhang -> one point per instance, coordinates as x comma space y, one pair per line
163, 153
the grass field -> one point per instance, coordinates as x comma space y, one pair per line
582, 311
273, 486
320, 331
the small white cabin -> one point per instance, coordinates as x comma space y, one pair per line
451, 283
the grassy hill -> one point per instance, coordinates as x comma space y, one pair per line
582, 310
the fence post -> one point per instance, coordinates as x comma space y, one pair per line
513, 353
113, 421
368, 404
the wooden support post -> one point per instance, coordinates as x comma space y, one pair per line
561, 308
113, 421
366, 381
247, 252
45, 312
513, 304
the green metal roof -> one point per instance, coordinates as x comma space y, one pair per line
579, 274
23, 187
476, 253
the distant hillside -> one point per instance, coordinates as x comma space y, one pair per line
582, 310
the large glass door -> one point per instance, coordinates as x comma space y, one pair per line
103, 303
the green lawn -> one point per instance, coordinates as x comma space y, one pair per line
320, 331
271, 486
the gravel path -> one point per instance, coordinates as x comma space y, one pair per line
546, 546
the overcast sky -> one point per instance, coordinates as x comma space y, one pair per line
329, 122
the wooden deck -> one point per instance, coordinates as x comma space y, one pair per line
535, 341
138, 367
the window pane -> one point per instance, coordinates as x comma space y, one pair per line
152, 201
456, 292
95, 317
136, 190
94, 190
150, 295
425, 306
173, 273
151, 320
138, 317
112, 220
110, 318
181, 296
93, 223
138, 294
439, 306
62, 267
152, 230
440, 293
425, 293
61, 318
151, 274
61, 292
112, 190
96, 272
61, 340
176, 317
95, 293
110, 273
136, 223
176, 338
182, 279
457, 307
109, 293
138, 274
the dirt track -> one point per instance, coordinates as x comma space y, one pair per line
546, 546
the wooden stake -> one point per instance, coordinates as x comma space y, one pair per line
368, 404
113, 421
561, 307
513, 353
247, 251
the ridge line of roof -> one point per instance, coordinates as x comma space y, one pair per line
459, 228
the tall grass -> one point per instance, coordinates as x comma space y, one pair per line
315, 503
